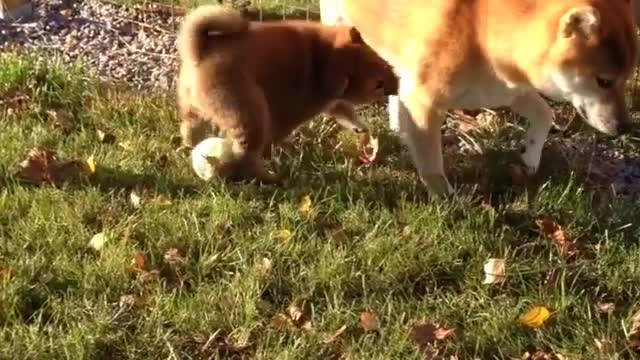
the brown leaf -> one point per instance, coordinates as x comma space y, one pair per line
425, 335
139, 262
39, 166
300, 317
5, 273
369, 321
553, 231
60, 120
368, 148
162, 161
43, 166
14, 102
280, 321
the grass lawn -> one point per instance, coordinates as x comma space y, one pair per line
201, 270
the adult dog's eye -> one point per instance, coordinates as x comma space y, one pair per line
604, 83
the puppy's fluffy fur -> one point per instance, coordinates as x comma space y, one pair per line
257, 82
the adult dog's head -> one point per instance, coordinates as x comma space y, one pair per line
593, 55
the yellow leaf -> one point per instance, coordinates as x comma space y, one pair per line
495, 271
91, 165
305, 205
283, 235
536, 317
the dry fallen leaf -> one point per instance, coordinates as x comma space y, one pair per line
495, 271
553, 231
280, 321
369, 321
305, 205
106, 138
139, 262
606, 308
605, 347
300, 317
42, 165
336, 335
283, 235
5, 273
97, 241
135, 200
368, 146
127, 301
425, 335
162, 161
535, 317
173, 257
539, 355
265, 266
634, 333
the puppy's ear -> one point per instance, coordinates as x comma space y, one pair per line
337, 73
356, 38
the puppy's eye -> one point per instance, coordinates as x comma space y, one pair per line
379, 84
604, 83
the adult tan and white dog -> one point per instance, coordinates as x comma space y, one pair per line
492, 53
332, 13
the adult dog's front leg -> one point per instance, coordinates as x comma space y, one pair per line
540, 117
420, 128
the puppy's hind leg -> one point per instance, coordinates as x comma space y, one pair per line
243, 115
193, 128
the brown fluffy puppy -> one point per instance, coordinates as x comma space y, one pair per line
257, 82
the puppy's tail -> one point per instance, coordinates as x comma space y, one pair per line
196, 26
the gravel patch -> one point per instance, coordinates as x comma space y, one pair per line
135, 45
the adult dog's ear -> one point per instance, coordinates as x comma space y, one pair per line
337, 73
